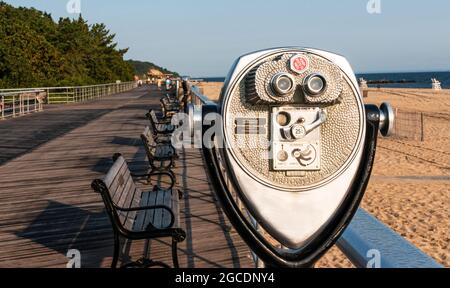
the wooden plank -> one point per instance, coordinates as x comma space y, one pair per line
140, 217
118, 168
166, 217
150, 214
158, 216
116, 187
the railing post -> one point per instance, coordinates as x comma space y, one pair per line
20, 105
48, 96
14, 106
422, 122
3, 107
35, 102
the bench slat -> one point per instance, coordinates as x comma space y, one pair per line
130, 217
124, 188
165, 214
113, 186
114, 171
140, 216
158, 217
146, 217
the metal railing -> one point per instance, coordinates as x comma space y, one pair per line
18, 102
369, 243
15, 104
366, 242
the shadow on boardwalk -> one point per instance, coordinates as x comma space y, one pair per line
47, 206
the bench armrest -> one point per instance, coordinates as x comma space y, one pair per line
155, 207
148, 175
173, 150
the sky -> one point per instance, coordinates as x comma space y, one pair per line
202, 38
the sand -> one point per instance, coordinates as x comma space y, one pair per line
410, 186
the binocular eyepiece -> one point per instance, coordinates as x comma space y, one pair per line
314, 84
283, 84
298, 149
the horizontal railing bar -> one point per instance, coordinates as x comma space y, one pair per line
204, 99
24, 104
64, 87
18, 92
367, 242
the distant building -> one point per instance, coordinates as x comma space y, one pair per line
155, 73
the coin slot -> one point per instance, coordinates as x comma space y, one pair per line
283, 118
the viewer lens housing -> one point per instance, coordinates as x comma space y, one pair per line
282, 84
315, 84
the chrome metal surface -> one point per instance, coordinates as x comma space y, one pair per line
281, 209
296, 146
199, 98
387, 119
368, 243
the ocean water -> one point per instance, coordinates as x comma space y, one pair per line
421, 79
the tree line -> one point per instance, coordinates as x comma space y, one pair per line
36, 51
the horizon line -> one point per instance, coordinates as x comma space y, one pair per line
356, 73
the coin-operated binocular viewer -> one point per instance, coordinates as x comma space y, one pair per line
292, 141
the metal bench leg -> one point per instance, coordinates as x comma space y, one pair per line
116, 251
175, 254
169, 171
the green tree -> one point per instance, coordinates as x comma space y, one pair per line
37, 51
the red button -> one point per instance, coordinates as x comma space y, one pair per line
299, 63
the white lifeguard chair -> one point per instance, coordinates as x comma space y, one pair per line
435, 84
362, 83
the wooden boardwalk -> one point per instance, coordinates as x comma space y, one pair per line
47, 207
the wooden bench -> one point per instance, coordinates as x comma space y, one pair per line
137, 214
159, 117
170, 106
159, 127
161, 156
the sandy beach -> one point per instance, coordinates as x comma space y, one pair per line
409, 190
